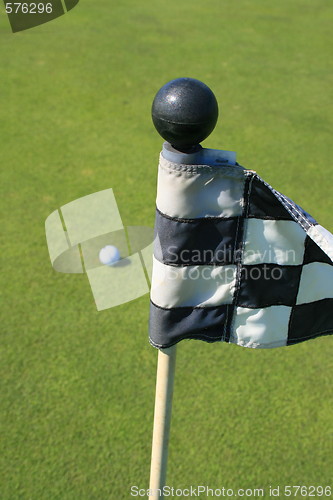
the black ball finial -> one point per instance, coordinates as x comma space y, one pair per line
184, 112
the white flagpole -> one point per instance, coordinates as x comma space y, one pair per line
162, 419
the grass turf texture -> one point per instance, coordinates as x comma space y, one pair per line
77, 386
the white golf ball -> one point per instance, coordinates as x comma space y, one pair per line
109, 255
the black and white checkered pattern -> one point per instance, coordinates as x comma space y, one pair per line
236, 261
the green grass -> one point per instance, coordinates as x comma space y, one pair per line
77, 386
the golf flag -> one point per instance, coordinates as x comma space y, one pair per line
235, 260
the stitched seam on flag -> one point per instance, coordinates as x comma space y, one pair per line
239, 259
186, 307
292, 314
161, 346
240, 263
223, 170
269, 217
224, 333
202, 336
287, 205
231, 315
264, 306
246, 207
196, 219
190, 336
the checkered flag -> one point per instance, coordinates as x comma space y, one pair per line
236, 261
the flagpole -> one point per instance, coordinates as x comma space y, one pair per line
184, 113
162, 419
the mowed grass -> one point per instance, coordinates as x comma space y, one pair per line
77, 385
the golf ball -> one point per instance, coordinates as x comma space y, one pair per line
109, 255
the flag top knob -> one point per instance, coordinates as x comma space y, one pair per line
184, 112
